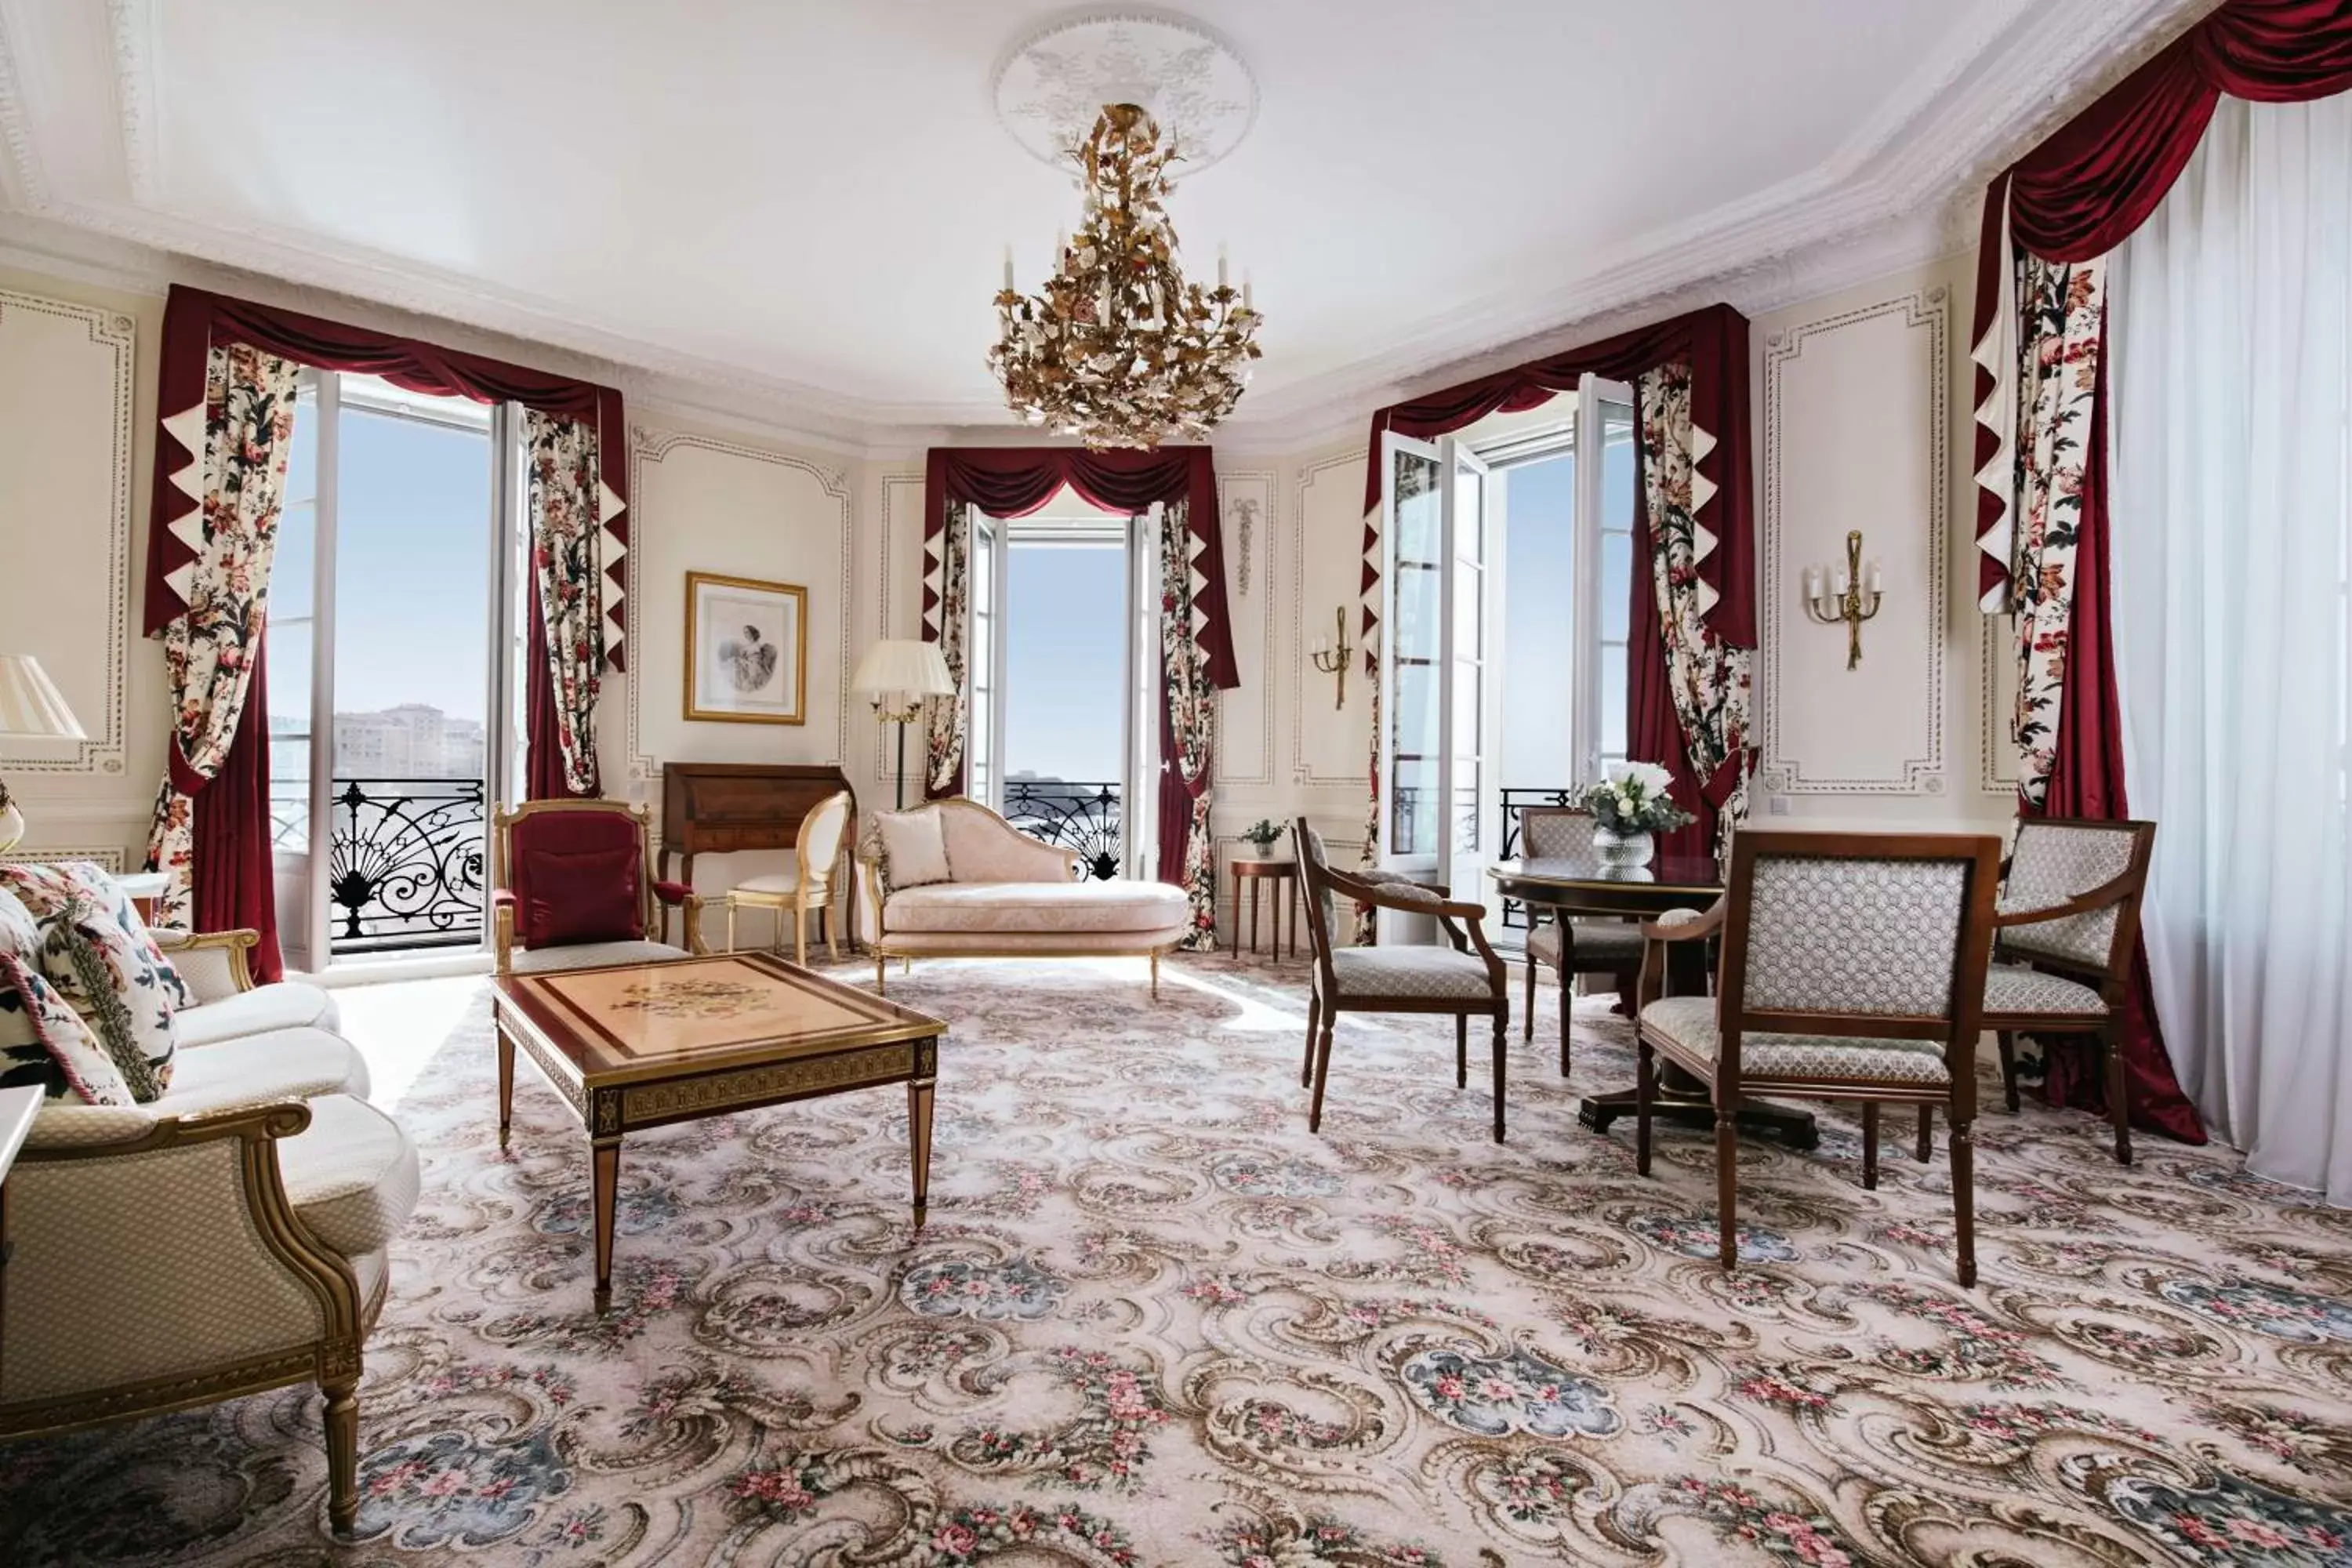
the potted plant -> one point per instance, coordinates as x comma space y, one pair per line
1258, 840
1629, 808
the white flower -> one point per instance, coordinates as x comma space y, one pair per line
1653, 779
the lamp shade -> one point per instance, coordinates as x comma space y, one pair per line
31, 707
901, 666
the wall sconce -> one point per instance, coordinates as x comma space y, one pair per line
1333, 660
1845, 594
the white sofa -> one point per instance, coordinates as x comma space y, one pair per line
1009, 896
227, 1237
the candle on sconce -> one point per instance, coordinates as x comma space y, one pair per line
1813, 581
1841, 583
1877, 579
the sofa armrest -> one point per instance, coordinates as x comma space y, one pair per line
1027, 859
214, 963
132, 1250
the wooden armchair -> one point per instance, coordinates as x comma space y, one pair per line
1601, 945
1851, 968
1453, 979
573, 886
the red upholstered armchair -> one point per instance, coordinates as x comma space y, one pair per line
573, 888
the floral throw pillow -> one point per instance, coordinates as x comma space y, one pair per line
43, 1040
44, 889
104, 974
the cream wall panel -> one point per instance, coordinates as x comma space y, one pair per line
1329, 746
1245, 715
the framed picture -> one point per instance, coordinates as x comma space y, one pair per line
746, 650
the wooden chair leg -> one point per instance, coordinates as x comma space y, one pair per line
1645, 1089
1462, 1050
1564, 1035
1926, 1147
731, 925
832, 932
881, 973
1502, 1032
1727, 1184
2118, 1104
800, 934
1322, 1075
1530, 964
1314, 1026
1870, 1145
342, 1451
1964, 1199
2007, 1038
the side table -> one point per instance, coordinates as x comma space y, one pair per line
1284, 875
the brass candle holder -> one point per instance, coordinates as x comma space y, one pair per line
1332, 659
1849, 596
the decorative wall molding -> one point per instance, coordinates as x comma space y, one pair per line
115, 336
1302, 766
1243, 490
650, 446
108, 856
1923, 310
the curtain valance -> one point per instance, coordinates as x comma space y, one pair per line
1014, 482
1714, 342
195, 321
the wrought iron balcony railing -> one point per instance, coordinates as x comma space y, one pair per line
1084, 816
405, 860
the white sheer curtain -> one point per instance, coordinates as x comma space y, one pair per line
2231, 345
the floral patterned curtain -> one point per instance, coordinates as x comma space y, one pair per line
210, 648
1192, 714
948, 624
1711, 679
2060, 321
566, 555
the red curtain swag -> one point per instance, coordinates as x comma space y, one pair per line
1014, 482
2073, 198
233, 876
1714, 341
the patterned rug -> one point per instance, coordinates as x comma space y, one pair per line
1153, 1320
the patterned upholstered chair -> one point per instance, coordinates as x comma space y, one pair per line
807, 884
2068, 923
1851, 968
1465, 979
573, 886
1600, 945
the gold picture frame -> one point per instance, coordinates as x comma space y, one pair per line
746, 650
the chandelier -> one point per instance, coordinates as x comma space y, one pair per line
1118, 350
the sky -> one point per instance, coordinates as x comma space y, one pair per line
1064, 660
411, 569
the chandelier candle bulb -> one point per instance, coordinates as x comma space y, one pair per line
1008, 269
1221, 267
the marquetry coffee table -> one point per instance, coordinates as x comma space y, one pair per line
640, 1045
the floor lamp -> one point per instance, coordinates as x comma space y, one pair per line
897, 674
31, 709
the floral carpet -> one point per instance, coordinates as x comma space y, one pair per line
1154, 1321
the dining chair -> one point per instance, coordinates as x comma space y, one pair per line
806, 885
1395, 978
1851, 967
1600, 945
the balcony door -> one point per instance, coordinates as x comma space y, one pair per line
1437, 694
392, 699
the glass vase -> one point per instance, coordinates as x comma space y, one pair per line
1623, 851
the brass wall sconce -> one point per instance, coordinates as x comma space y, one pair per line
1332, 659
1845, 594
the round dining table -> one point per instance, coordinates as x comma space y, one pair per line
1578, 883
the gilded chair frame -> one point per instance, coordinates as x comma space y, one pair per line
814, 890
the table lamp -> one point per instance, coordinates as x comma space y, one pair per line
31, 710
897, 673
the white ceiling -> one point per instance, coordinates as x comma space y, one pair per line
812, 198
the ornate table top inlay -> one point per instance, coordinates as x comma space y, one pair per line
1054, 82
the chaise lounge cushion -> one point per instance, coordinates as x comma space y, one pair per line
1037, 908
289, 1004
351, 1174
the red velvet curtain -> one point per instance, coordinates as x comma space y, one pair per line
233, 875
1014, 482
2073, 198
542, 766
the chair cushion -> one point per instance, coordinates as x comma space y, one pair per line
351, 1174
981, 846
2012, 988
594, 955
282, 1064
774, 883
287, 1005
1430, 972
1689, 1022
1037, 908
1599, 945
914, 847
575, 876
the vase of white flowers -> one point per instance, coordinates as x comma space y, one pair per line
1257, 841
1629, 808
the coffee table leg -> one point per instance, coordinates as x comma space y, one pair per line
918, 1139
604, 1158
506, 1086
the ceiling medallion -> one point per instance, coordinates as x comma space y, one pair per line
1052, 83
1118, 350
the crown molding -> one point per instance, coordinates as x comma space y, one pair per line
1887, 194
